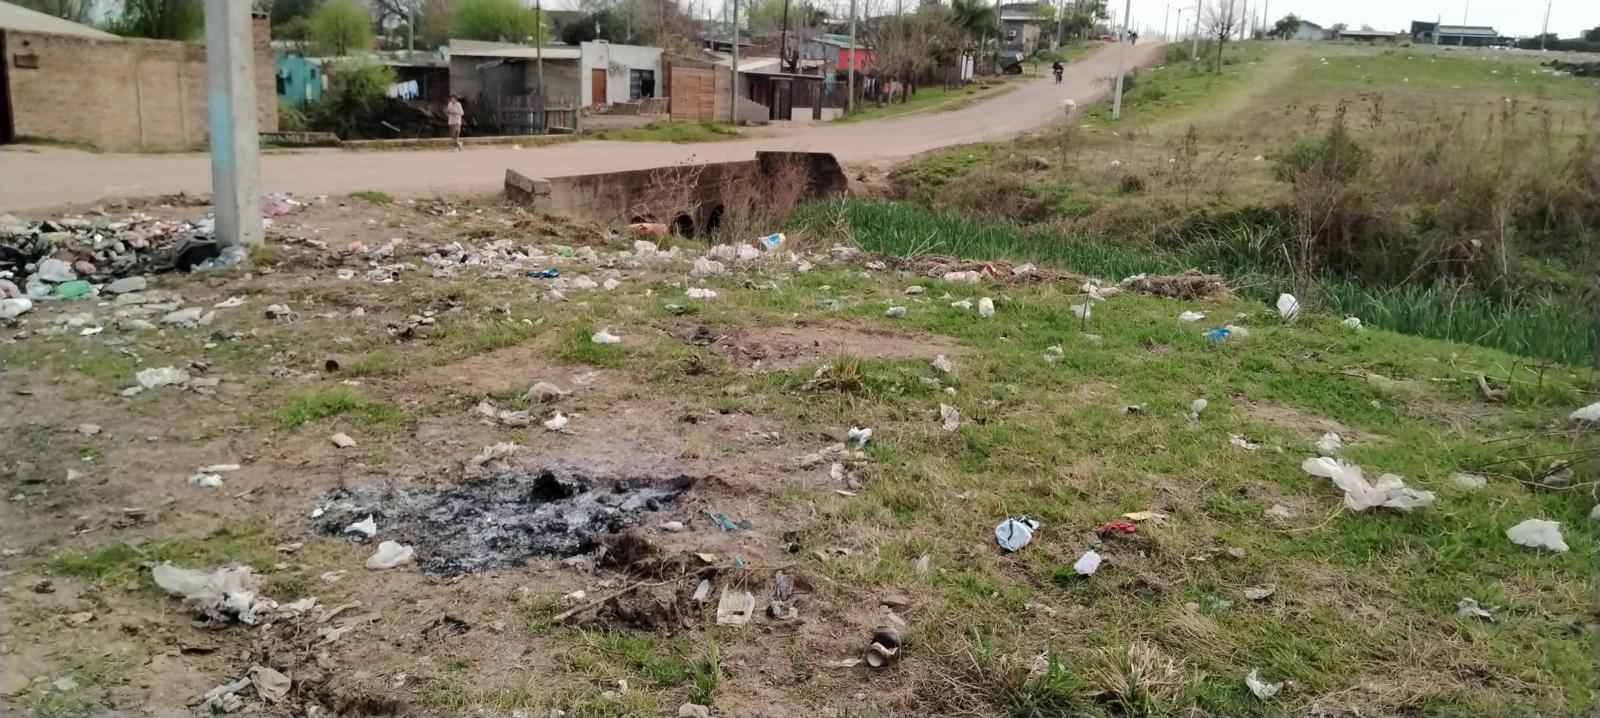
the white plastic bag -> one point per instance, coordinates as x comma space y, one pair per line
1359, 495
1191, 316
1288, 307
1588, 413
605, 337
1538, 533
389, 555
985, 307
1087, 564
1013, 534
1261, 689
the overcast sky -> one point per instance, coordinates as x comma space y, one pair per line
1510, 17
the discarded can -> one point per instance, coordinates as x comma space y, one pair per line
550, 273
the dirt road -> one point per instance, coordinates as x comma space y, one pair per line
36, 178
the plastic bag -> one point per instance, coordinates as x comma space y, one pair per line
1013, 534
1538, 533
1288, 307
389, 555
1359, 495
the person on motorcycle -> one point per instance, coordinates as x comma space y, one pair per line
1057, 69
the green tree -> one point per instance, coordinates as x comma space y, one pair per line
1083, 16
295, 29
339, 27
1287, 27
284, 11
495, 20
1592, 35
606, 24
160, 19
437, 22
357, 90
973, 18
74, 10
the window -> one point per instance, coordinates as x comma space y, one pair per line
641, 84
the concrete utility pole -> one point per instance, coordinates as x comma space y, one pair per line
850, 87
1194, 52
1546, 30
733, 77
1122, 59
1166, 19
231, 122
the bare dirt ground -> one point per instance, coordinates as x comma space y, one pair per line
33, 178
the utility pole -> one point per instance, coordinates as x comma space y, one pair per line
850, 88
538, 47
1546, 30
231, 123
1466, 5
1266, 16
783, 39
1165, 18
1122, 60
1194, 52
733, 77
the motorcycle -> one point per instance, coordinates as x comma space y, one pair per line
1057, 72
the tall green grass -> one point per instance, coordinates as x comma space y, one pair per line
1549, 327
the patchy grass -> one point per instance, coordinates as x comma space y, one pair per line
322, 404
934, 98
124, 564
671, 132
373, 197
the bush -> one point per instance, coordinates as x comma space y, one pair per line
356, 91
495, 20
1336, 156
290, 118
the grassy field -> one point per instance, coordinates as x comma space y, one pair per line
1361, 618
670, 132
1466, 214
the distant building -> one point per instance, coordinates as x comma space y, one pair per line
835, 49
1372, 37
1310, 32
1432, 33
1021, 27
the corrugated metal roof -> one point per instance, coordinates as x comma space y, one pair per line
479, 48
1467, 30
16, 17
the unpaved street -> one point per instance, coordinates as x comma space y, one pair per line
34, 178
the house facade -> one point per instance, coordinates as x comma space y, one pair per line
1433, 33
1021, 27
1310, 32
613, 73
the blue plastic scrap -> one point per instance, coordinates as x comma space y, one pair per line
550, 273
727, 524
1219, 334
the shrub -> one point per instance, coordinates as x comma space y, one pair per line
290, 118
356, 90
1336, 156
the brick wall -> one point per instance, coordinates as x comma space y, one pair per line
121, 94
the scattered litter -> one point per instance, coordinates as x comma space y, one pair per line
1262, 690
1242, 442
583, 281
1054, 353
156, 378
389, 555
949, 417
88, 429
342, 440
505, 417
1121, 526
208, 481
1469, 482
547, 273
1082, 311
925, 563
367, 527
1014, 533
894, 312
1469, 608
1151, 516
1389, 492
885, 645
962, 304
605, 337
545, 391
970, 276
706, 267
772, 241
700, 293
1219, 334
1196, 407
1022, 270
1087, 564
1353, 324
1279, 511
229, 303
693, 710
556, 423
914, 290
1288, 307
985, 307
1588, 413
227, 594
1191, 317
1538, 533
14, 307
943, 365
1330, 444
223, 699
728, 524
1260, 593
735, 608
271, 685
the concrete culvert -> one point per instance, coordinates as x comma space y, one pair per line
503, 517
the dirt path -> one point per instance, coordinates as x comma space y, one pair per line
32, 178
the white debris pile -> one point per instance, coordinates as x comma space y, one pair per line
1590, 413
1359, 495
504, 417
158, 377
224, 595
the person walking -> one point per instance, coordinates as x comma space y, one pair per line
452, 117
